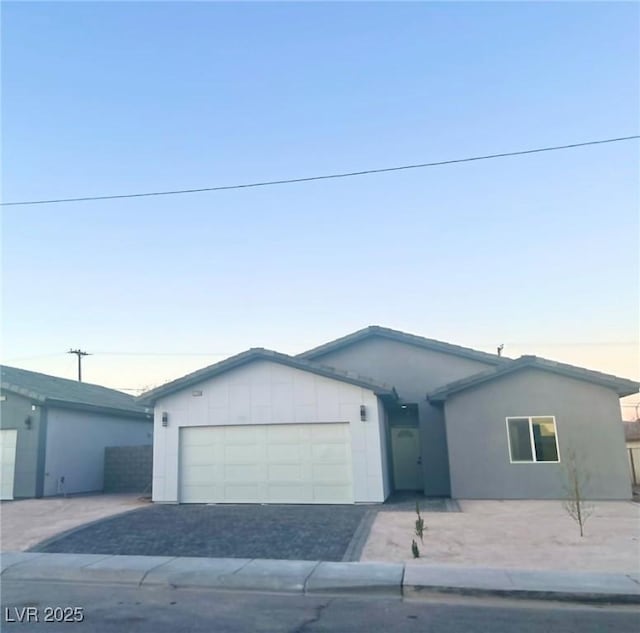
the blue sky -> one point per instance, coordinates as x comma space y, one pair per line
537, 252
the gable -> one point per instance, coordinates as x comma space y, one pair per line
402, 337
412, 369
273, 358
621, 386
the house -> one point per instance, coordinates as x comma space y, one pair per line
632, 440
53, 433
378, 411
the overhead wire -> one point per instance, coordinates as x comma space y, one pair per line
350, 174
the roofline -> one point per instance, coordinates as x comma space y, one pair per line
95, 408
259, 353
403, 337
61, 403
622, 386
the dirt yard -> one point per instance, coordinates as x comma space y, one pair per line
25, 523
514, 534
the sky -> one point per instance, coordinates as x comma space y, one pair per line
539, 252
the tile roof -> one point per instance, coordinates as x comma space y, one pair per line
622, 386
53, 390
403, 337
259, 353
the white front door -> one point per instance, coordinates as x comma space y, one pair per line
8, 439
266, 463
407, 463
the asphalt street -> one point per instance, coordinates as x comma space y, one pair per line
111, 608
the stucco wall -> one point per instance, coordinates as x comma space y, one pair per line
30, 441
587, 422
413, 371
75, 447
264, 392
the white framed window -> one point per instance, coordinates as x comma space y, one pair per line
532, 439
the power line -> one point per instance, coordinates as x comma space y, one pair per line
196, 354
289, 181
163, 353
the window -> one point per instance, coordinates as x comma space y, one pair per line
533, 439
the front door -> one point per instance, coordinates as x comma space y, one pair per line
407, 463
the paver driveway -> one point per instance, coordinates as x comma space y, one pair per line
222, 531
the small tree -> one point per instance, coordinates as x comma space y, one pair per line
419, 531
419, 524
576, 484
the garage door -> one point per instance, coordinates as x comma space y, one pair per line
275, 463
7, 462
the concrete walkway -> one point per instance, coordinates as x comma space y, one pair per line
311, 577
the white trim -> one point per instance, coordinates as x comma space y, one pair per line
530, 419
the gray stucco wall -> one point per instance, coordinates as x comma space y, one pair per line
588, 421
413, 371
75, 447
30, 443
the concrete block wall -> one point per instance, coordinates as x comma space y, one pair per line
128, 469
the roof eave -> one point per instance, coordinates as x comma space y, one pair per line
96, 408
621, 386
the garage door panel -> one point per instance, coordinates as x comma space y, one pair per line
239, 435
201, 475
329, 473
329, 453
332, 494
201, 455
285, 472
247, 493
289, 493
197, 436
284, 453
200, 494
287, 463
8, 441
242, 472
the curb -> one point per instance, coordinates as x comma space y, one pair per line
388, 580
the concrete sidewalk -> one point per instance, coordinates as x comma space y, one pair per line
310, 577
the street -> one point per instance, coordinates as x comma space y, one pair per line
111, 608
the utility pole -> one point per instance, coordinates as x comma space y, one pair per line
79, 353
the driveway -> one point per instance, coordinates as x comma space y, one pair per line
27, 522
329, 533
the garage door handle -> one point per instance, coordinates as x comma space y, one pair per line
419, 462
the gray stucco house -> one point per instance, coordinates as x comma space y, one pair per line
378, 411
53, 433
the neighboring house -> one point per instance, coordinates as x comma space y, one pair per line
53, 433
632, 440
377, 411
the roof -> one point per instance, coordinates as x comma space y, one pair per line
71, 394
259, 353
632, 431
403, 337
622, 386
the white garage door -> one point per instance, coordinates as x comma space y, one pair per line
8, 439
275, 463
